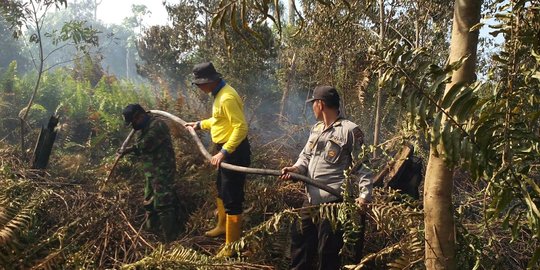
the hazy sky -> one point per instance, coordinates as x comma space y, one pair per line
114, 11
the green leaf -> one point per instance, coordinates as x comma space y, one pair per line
499, 59
456, 145
422, 109
532, 184
394, 82
411, 108
502, 16
476, 27
497, 32
422, 67
519, 4
532, 205
536, 75
406, 57
385, 77
536, 55
403, 83
442, 79
217, 17
457, 64
503, 200
465, 112
460, 101
515, 226
464, 149
447, 139
497, 26
534, 258
396, 53
451, 94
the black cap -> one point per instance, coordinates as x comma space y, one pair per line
130, 111
328, 94
205, 73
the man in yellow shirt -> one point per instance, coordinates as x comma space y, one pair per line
228, 129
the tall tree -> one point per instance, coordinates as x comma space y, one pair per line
439, 219
378, 105
133, 22
292, 10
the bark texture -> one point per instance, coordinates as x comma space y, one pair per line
439, 220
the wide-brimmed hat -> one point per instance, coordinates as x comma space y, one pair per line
205, 73
328, 94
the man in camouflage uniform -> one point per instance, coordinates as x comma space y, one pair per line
325, 157
154, 148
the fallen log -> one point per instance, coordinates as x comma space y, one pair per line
403, 173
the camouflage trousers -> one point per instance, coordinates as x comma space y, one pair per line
160, 203
158, 187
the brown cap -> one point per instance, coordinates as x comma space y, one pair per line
205, 73
328, 94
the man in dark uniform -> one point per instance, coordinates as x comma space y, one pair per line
154, 148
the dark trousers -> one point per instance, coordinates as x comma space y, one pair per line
315, 246
359, 246
230, 184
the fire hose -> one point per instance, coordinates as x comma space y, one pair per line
248, 170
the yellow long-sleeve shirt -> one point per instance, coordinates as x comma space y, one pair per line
228, 124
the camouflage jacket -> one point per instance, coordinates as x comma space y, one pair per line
154, 147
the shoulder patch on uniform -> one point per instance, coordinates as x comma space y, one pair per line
358, 134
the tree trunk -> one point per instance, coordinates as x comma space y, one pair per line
439, 220
417, 33
287, 90
96, 4
378, 105
44, 144
24, 113
127, 61
292, 9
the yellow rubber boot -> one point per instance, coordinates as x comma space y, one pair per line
234, 229
220, 226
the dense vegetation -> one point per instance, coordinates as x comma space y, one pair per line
393, 62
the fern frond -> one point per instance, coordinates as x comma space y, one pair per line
275, 224
19, 201
16, 215
401, 219
181, 257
